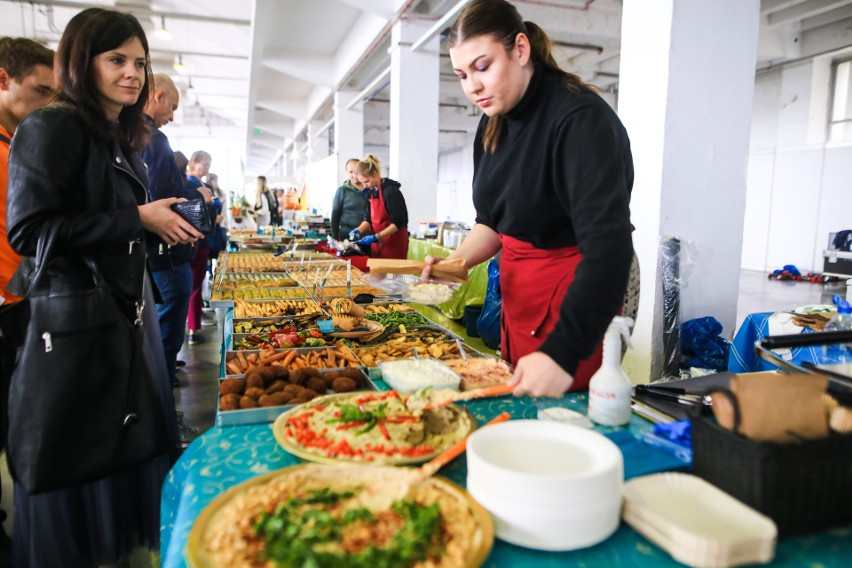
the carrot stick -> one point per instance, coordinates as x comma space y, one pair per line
276, 357
331, 360
242, 359
455, 450
233, 367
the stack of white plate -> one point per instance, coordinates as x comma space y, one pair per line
547, 485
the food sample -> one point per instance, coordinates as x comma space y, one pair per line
244, 310
370, 427
430, 293
403, 348
480, 373
300, 386
314, 515
240, 362
410, 375
259, 293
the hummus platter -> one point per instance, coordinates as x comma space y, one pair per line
316, 515
370, 427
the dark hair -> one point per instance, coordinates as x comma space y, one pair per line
501, 20
370, 166
18, 56
181, 160
90, 33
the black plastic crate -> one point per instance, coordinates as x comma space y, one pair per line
803, 487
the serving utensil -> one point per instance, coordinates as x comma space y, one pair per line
443, 397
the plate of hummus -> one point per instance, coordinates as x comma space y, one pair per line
371, 428
319, 515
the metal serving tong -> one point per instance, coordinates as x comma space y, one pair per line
674, 394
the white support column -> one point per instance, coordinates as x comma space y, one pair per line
317, 142
687, 80
348, 130
414, 120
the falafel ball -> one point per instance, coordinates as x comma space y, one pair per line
254, 392
254, 379
277, 386
248, 402
229, 402
316, 384
344, 384
232, 386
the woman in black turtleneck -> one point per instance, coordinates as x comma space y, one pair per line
552, 178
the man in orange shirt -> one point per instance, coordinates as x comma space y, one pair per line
26, 83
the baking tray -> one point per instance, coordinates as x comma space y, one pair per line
270, 413
296, 300
300, 351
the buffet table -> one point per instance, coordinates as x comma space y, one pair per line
470, 294
224, 457
743, 359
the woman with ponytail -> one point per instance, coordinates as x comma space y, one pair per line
385, 213
551, 186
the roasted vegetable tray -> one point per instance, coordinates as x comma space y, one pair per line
331, 357
268, 414
247, 309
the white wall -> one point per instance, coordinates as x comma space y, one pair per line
798, 185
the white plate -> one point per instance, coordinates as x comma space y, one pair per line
697, 523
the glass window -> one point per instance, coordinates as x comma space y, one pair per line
840, 120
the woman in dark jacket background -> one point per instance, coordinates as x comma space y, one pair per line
385, 213
76, 166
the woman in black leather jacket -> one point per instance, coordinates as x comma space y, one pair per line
75, 165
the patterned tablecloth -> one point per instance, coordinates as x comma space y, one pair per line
743, 359
224, 457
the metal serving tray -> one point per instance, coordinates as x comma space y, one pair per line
270, 413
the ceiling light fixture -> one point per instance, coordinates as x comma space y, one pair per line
178, 64
162, 32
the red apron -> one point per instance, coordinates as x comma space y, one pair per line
394, 246
534, 282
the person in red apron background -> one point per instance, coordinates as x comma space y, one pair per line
385, 214
552, 178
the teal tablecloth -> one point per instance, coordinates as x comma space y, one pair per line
224, 457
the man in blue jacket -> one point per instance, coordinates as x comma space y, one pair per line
169, 265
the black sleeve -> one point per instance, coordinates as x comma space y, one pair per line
46, 167
336, 212
592, 161
481, 215
395, 205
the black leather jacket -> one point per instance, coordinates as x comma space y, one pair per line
59, 171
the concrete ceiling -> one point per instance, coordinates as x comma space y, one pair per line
262, 70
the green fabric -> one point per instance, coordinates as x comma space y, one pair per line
470, 294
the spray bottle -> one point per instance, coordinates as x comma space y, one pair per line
610, 389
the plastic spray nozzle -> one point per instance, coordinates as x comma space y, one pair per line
622, 325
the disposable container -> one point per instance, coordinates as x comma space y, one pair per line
696, 523
548, 485
411, 375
